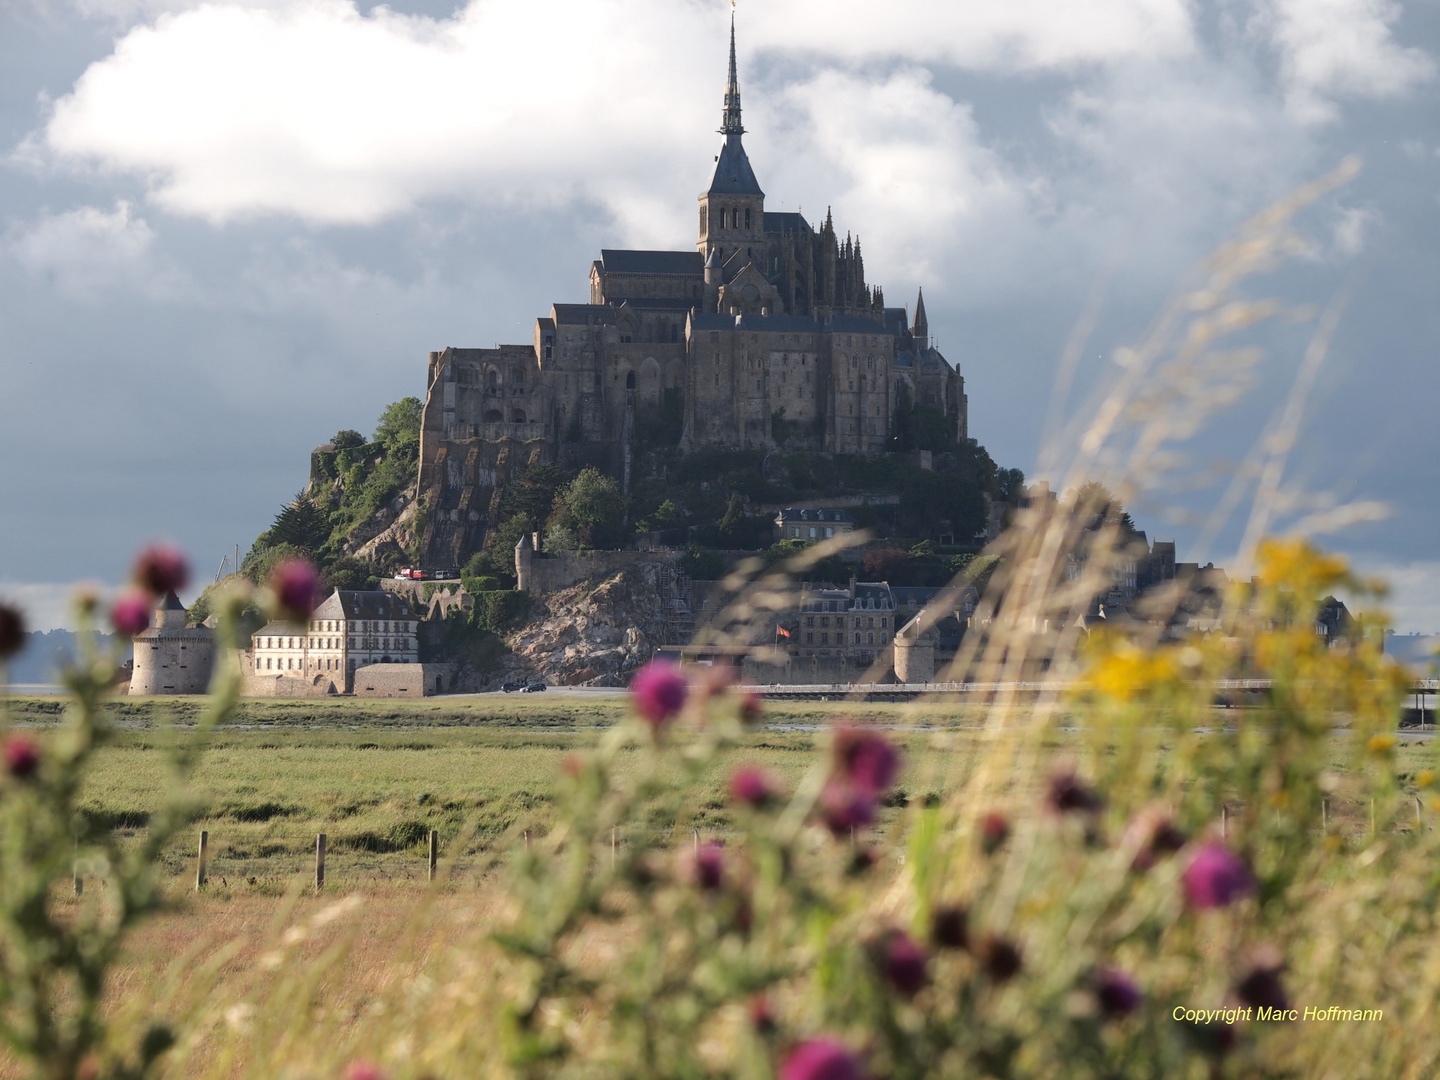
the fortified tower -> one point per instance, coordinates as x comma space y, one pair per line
171, 658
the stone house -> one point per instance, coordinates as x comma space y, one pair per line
350, 630
853, 623
792, 524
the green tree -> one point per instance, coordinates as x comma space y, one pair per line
348, 439
591, 507
302, 524
399, 427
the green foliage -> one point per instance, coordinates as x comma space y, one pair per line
831, 570
697, 563
348, 439
399, 428
500, 610
478, 583
260, 560
666, 516
591, 507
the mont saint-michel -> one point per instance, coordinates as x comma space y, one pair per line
766, 335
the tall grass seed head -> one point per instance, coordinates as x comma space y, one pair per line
658, 693
865, 759
160, 569
294, 591
22, 756
130, 615
1216, 877
821, 1059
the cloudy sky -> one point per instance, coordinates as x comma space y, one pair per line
230, 228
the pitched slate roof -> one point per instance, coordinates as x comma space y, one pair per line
733, 174
346, 604
786, 222
624, 261
570, 314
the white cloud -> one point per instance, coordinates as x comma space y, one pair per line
1414, 600
310, 109
89, 251
1352, 228
1340, 48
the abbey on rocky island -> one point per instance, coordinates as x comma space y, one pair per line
766, 335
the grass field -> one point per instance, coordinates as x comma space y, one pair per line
375, 777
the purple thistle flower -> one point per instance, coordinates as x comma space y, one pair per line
1000, 958
752, 785
994, 831
1116, 992
161, 568
22, 757
364, 1070
295, 584
845, 807
709, 866
658, 692
1216, 877
950, 927
1067, 793
865, 759
903, 963
1261, 987
821, 1059
130, 615
12, 631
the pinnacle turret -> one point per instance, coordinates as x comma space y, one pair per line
730, 124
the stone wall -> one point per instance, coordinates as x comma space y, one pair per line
543, 574
278, 685
404, 680
170, 661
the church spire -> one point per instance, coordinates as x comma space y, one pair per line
730, 125
921, 327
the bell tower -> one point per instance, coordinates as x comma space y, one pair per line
732, 210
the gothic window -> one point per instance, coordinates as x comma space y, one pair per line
518, 416
747, 218
703, 216
492, 380
724, 218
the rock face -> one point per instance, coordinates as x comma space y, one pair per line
391, 529
592, 634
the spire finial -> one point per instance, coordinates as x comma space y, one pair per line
730, 125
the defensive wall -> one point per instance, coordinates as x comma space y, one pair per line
542, 573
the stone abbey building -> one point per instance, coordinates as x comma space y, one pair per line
766, 335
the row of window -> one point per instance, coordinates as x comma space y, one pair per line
868, 604
857, 621
331, 643
840, 638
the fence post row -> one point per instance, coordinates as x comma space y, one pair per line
434, 851
200, 867
319, 861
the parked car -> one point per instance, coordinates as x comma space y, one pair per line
511, 687
535, 688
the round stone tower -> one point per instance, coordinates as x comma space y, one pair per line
171, 658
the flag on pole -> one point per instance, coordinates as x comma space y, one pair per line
781, 630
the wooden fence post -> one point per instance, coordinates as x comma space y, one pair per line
79, 878
1224, 821
200, 866
434, 851
319, 861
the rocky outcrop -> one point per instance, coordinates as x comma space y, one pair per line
391, 529
594, 633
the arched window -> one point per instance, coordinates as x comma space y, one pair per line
493, 416
747, 217
518, 416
